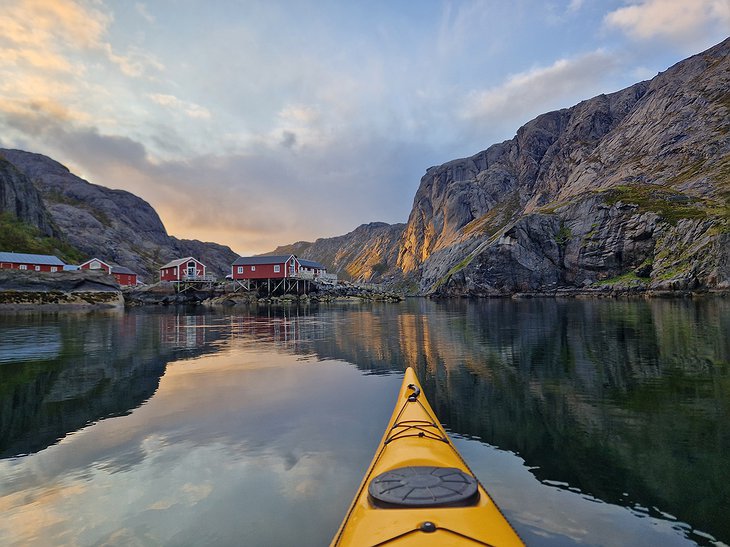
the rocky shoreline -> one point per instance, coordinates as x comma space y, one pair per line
72, 289
94, 289
165, 294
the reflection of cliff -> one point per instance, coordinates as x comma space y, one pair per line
628, 401
103, 365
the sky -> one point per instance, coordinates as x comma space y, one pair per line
261, 123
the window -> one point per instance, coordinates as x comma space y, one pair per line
277, 268
38, 268
54, 269
253, 268
22, 267
240, 269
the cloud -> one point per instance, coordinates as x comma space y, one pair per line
529, 93
41, 24
144, 12
49, 34
675, 20
189, 109
575, 5
252, 199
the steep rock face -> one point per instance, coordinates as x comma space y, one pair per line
369, 253
631, 187
21, 199
113, 225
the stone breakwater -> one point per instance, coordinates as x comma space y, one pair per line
83, 288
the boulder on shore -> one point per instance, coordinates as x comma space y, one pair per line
84, 288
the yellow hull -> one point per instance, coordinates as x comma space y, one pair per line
418, 490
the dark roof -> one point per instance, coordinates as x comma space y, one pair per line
122, 270
22, 258
257, 260
311, 264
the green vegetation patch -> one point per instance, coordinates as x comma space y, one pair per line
20, 237
670, 205
629, 278
563, 236
457, 268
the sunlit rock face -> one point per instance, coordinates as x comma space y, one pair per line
626, 189
367, 254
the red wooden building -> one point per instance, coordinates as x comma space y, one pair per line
265, 267
38, 263
124, 276
96, 264
183, 269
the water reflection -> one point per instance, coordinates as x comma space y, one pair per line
622, 403
60, 372
626, 401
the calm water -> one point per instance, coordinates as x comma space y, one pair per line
590, 422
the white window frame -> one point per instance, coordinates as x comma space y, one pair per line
240, 269
37, 268
54, 268
253, 268
277, 268
23, 267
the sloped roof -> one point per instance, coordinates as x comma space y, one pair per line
23, 258
257, 260
97, 259
311, 264
179, 261
122, 270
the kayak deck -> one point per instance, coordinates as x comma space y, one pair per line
418, 490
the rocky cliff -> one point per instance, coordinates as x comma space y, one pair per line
22, 200
113, 225
626, 189
367, 254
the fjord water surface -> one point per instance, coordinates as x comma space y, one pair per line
590, 422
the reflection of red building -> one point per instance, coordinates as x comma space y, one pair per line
184, 330
37, 263
183, 269
124, 276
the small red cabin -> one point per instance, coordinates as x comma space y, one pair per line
38, 263
265, 267
183, 269
96, 264
124, 276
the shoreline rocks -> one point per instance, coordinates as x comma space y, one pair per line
73, 289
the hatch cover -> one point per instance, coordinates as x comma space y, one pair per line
424, 486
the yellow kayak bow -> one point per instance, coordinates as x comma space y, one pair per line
418, 490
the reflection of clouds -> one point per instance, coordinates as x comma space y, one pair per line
229, 442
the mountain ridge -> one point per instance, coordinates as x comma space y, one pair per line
624, 190
114, 225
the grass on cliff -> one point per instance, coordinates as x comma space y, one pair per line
495, 219
670, 205
20, 237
